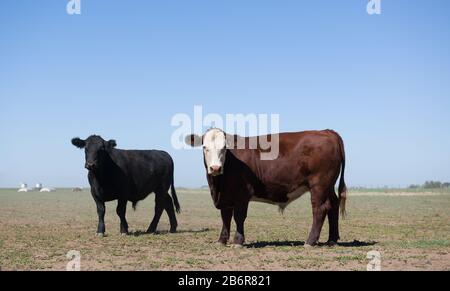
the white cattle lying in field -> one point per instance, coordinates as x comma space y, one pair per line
47, 190
25, 190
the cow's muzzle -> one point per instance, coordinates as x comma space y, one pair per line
215, 170
90, 165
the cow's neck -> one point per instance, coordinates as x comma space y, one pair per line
215, 186
216, 183
237, 169
105, 173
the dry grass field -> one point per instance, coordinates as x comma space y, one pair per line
411, 230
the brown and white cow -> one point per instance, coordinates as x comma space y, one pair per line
309, 161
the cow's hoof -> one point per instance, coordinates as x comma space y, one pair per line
331, 243
173, 230
221, 243
124, 233
236, 246
151, 231
308, 246
309, 243
100, 234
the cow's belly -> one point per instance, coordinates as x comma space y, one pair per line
291, 197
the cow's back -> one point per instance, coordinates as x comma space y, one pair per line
301, 155
147, 170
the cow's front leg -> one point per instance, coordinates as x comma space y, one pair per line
226, 214
240, 214
101, 218
121, 211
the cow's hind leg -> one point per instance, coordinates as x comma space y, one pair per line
320, 206
333, 219
171, 213
226, 214
159, 208
240, 214
121, 211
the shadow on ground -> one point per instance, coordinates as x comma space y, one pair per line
141, 233
263, 244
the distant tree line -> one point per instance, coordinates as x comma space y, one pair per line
431, 185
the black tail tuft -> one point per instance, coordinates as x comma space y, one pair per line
134, 204
175, 199
174, 196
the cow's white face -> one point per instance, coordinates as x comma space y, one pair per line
214, 151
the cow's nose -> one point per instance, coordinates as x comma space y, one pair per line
215, 169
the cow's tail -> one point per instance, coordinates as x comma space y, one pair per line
174, 196
342, 190
134, 204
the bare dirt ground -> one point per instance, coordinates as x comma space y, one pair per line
410, 229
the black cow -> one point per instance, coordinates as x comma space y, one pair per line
128, 175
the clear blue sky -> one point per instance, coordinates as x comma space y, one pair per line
122, 69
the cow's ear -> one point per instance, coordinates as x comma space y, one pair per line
111, 144
79, 143
194, 140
